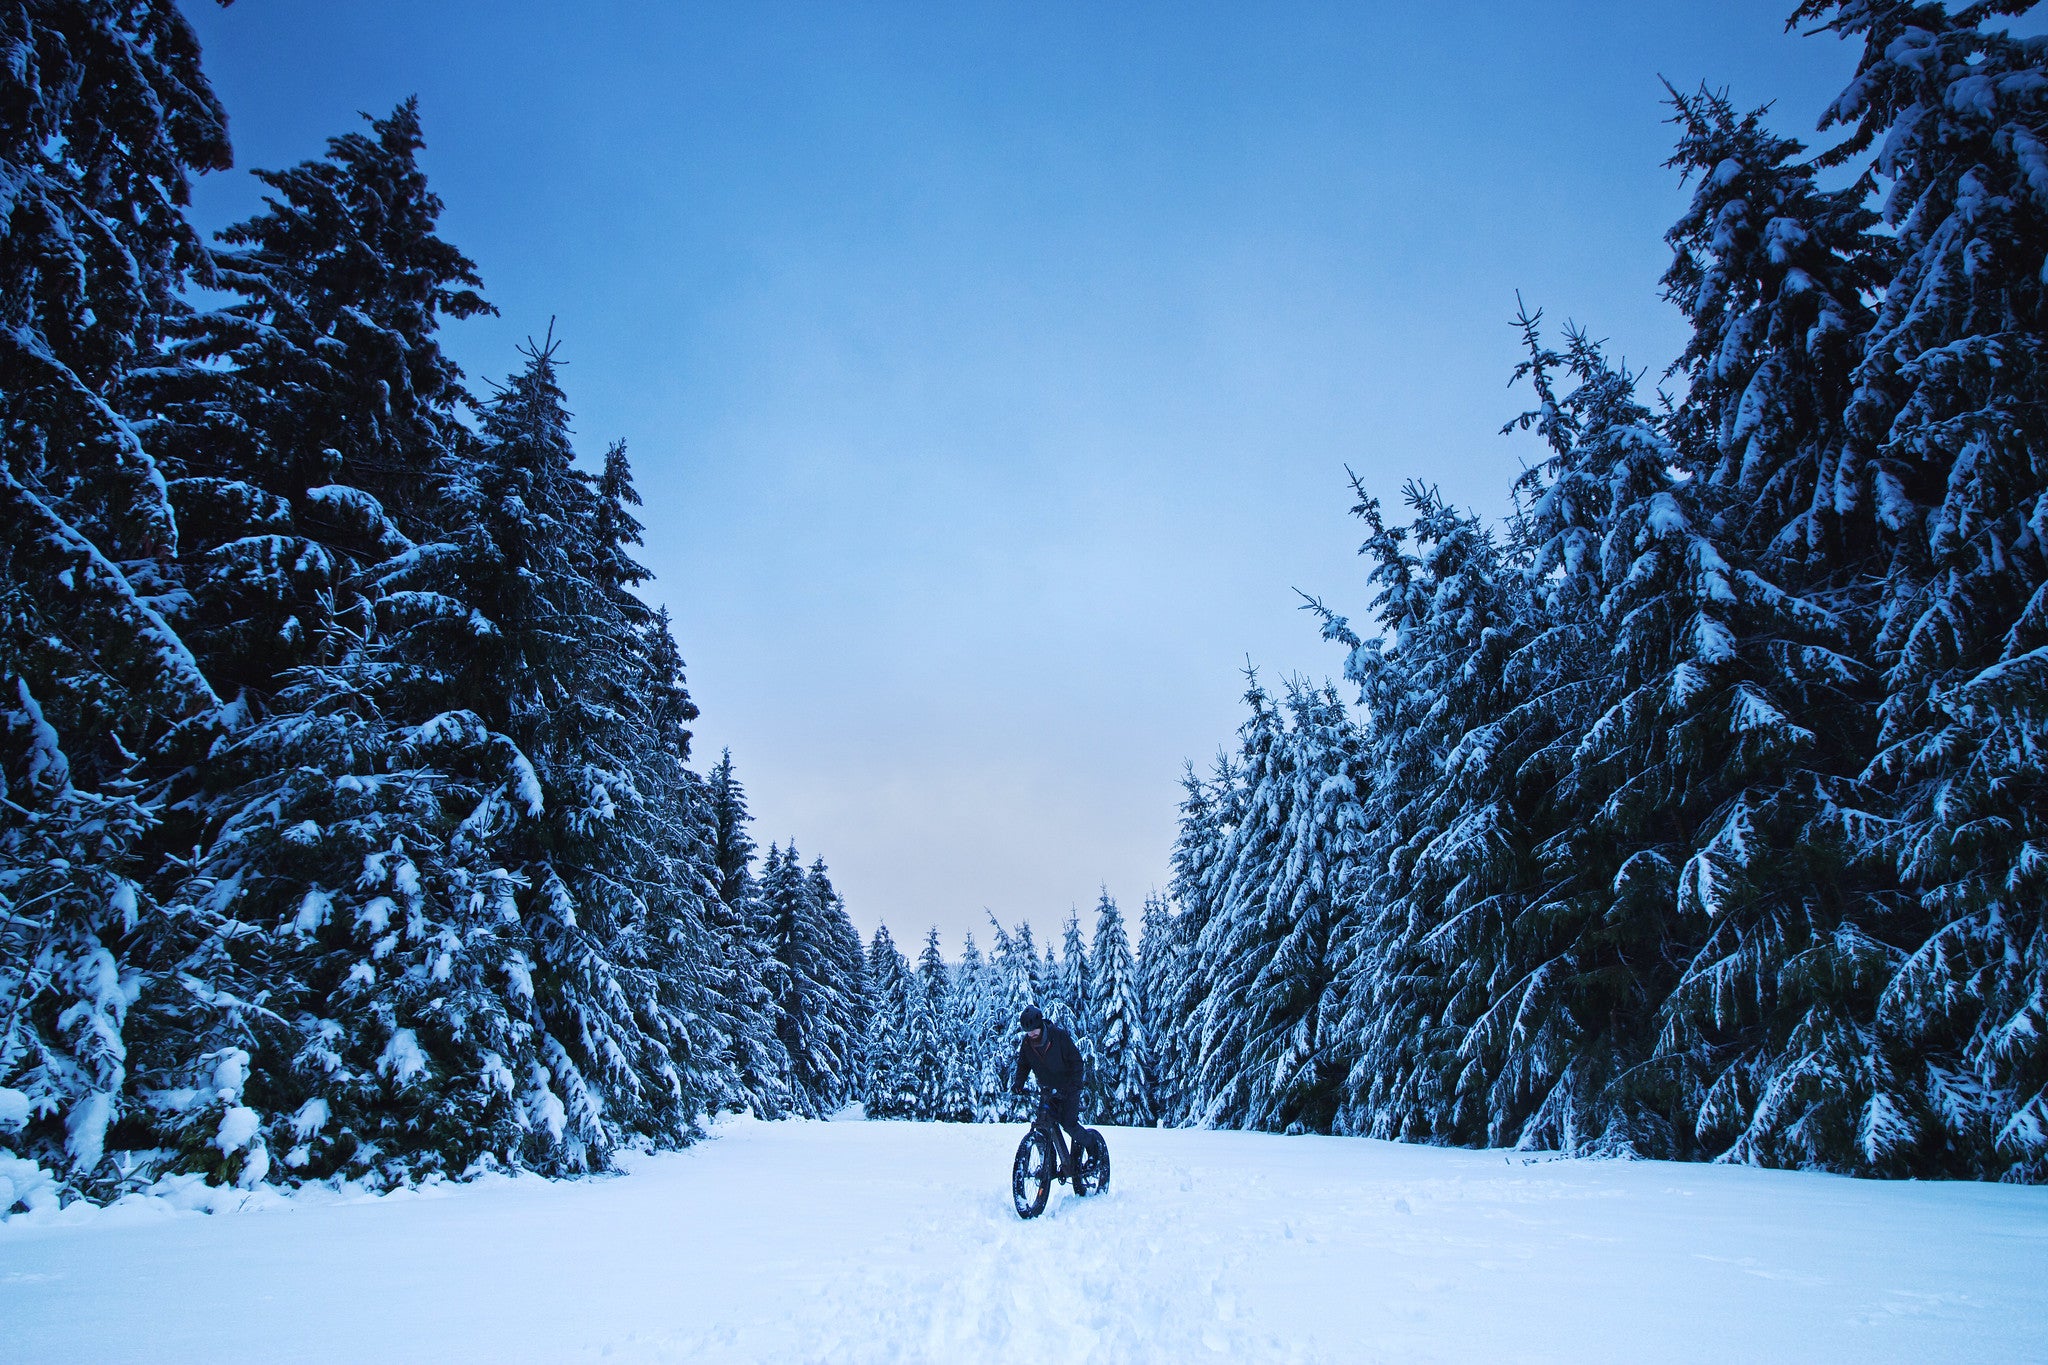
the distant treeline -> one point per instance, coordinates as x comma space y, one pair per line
1702, 809
941, 1040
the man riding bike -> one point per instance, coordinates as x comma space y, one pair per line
1049, 1054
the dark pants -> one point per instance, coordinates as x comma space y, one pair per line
1066, 1112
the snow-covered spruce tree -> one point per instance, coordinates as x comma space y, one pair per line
1487, 985
732, 845
68, 892
104, 116
615, 864
1640, 637
966, 1008
1271, 1056
1392, 1006
1155, 973
816, 1014
887, 1089
304, 425
849, 965
931, 1057
1120, 1048
1560, 999
1027, 981
1073, 996
978, 1034
1006, 999
719, 1003
305, 428
755, 1056
1443, 867
340, 871
1016, 966
1210, 809
1073, 1004
791, 927
1771, 1028
1772, 272
1946, 404
1652, 686
479, 862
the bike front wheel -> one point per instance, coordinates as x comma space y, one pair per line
1031, 1178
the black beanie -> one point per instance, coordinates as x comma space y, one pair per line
1032, 1018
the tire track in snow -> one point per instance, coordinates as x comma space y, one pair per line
969, 1280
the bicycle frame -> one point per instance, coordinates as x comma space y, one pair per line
1049, 1123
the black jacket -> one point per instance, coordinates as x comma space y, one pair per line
1055, 1061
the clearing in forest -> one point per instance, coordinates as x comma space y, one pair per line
854, 1241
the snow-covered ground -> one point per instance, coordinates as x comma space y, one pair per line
889, 1241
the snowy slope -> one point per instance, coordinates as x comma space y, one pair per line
895, 1241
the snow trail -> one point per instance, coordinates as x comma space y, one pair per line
864, 1242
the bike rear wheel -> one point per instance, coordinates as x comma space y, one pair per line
1091, 1174
1031, 1178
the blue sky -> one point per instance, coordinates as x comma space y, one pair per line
991, 370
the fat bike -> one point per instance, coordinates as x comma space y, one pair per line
1042, 1162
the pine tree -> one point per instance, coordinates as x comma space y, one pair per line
755, 1055
888, 1090
620, 877
979, 1031
1280, 883
1016, 967
1672, 662
1447, 852
1772, 272
1073, 1002
1210, 809
1945, 407
732, 846
817, 1017
1156, 973
803, 978
1073, 995
67, 894
1770, 1029
848, 965
398, 1042
939, 1095
1029, 980
104, 116
305, 425
1120, 1039
479, 868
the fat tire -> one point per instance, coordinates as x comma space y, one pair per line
1093, 1161
1031, 1175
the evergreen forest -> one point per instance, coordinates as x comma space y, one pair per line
1695, 806
1698, 808
348, 827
